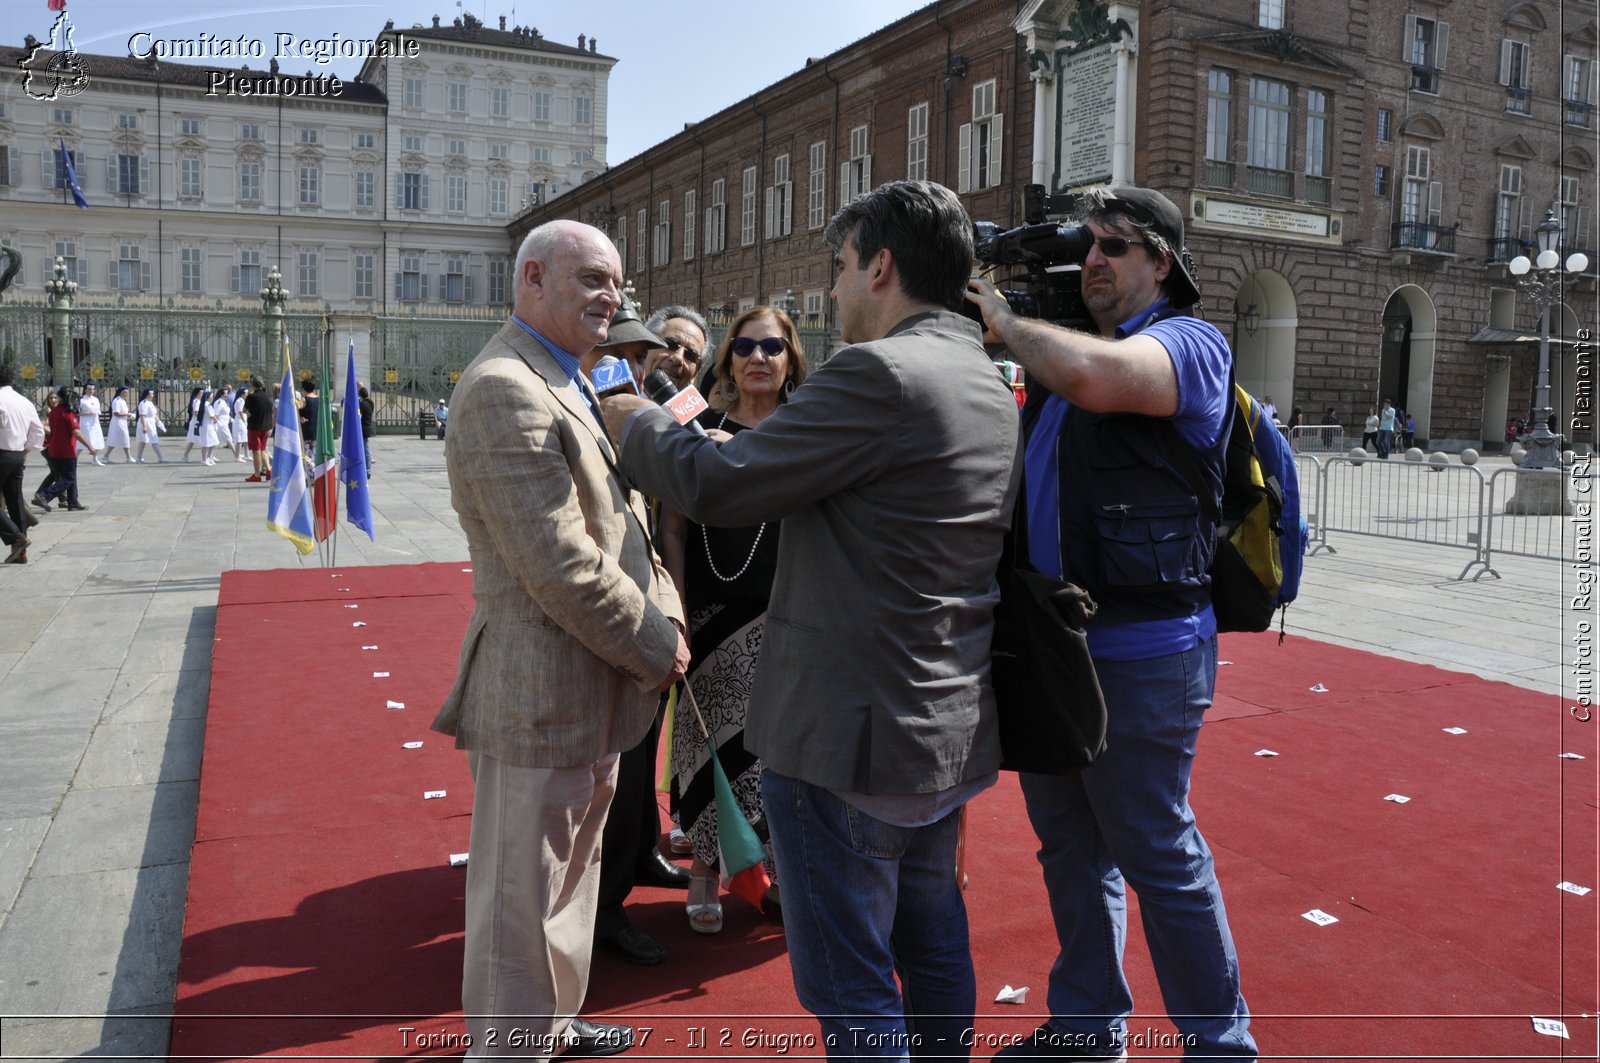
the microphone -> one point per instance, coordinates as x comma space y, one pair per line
611, 376
683, 405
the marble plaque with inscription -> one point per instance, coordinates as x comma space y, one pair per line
1086, 97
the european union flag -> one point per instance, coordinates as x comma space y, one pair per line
72, 177
353, 455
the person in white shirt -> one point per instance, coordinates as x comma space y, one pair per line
89, 422
149, 426
20, 431
121, 418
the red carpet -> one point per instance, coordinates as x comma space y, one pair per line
324, 922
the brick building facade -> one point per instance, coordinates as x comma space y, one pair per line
1355, 177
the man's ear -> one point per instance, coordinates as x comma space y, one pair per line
532, 273
882, 270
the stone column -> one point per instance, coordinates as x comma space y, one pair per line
60, 291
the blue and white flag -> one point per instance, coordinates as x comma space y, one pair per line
72, 177
353, 455
289, 503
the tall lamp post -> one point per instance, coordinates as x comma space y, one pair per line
1542, 280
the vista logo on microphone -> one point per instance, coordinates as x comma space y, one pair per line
686, 405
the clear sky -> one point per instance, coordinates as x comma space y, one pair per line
677, 62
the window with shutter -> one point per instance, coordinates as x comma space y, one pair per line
817, 193
688, 224
747, 207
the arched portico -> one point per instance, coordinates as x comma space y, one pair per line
1266, 322
1408, 345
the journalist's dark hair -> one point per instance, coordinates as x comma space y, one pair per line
923, 226
7, 374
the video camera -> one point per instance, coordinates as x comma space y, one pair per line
1051, 252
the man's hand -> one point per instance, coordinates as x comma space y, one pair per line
680, 659
617, 409
992, 305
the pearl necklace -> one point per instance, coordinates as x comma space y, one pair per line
705, 537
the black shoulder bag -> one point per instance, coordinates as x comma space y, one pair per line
1052, 714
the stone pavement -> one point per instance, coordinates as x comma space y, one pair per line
105, 671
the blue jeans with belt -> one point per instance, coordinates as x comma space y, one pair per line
1125, 820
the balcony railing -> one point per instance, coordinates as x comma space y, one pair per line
1319, 190
1506, 248
1269, 182
1518, 100
1218, 174
1425, 79
1420, 236
1580, 113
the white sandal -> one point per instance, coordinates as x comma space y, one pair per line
704, 907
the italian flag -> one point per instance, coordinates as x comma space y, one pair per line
325, 472
739, 851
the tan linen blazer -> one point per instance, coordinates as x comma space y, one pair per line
573, 625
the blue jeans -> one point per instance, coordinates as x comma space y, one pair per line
862, 901
1385, 442
1126, 820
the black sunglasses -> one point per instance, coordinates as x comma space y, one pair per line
772, 346
1115, 246
689, 353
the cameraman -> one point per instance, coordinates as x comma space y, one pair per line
1110, 507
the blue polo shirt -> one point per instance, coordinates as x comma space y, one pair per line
1203, 409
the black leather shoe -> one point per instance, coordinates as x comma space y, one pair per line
598, 1039
635, 946
657, 870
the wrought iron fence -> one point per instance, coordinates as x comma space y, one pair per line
417, 357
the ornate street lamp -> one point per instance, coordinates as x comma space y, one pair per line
1542, 280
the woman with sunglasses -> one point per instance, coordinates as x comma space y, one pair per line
725, 576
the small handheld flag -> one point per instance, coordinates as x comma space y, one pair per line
353, 454
740, 853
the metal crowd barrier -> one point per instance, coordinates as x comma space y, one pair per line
1317, 439
1439, 504
1552, 536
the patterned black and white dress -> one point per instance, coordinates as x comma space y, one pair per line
728, 576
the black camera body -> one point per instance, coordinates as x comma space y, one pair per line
1050, 253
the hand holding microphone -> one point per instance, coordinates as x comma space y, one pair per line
684, 405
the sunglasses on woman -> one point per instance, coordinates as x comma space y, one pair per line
772, 346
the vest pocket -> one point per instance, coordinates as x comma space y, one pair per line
1146, 543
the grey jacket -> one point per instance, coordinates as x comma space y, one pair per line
894, 471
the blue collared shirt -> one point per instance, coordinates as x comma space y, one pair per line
567, 362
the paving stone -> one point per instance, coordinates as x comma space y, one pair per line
120, 827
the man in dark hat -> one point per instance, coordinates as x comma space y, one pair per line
627, 339
1111, 508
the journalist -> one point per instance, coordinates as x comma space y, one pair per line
893, 470
1110, 508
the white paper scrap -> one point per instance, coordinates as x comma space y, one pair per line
1550, 1027
344, 590
458, 859
380, 675
1572, 756
1266, 752
1319, 689
1221, 663
1007, 995
412, 745
352, 606
1455, 730
1320, 917
359, 623
430, 795
466, 570
1398, 799
395, 705
1572, 887
369, 647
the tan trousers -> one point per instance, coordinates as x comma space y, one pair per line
532, 879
